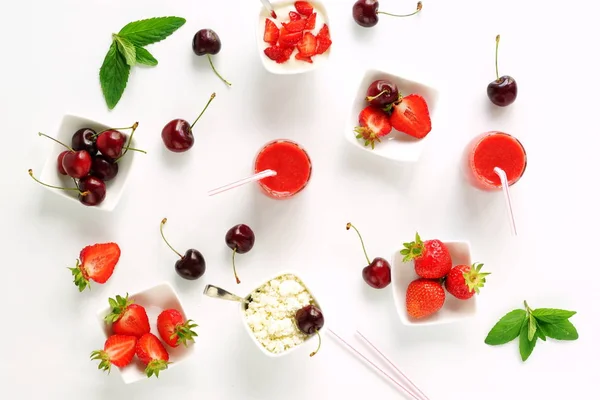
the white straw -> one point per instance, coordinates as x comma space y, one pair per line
392, 365
504, 180
253, 178
269, 7
395, 382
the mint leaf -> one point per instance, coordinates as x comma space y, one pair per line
526, 346
531, 328
126, 48
507, 328
152, 30
114, 75
539, 331
552, 315
143, 56
560, 330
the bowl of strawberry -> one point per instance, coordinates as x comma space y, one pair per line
89, 162
391, 116
296, 39
146, 334
435, 282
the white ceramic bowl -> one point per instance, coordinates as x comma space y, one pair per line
311, 339
396, 146
154, 300
292, 66
453, 310
50, 175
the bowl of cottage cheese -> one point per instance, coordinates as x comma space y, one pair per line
269, 317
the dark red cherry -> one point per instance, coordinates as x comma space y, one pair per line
191, 265
378, 273
110, 143
77, 164
503, 91
61, 169
310, 320
381, 93
206, 41
240, 239
366, 12
104, 168
95, 188
85, 139
177, 135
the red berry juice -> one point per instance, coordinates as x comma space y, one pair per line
292, 164
490, 150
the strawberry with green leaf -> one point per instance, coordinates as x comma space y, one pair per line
96, 263
174, 329
118, 351
431, 257
463, 281
127, 318
151, 352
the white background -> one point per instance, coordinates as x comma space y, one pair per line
52, 51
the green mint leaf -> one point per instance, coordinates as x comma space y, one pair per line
114, 75
560, 330
143, 56
552, 315
127, 49
531, 328
526, 346
507, 328
539, 331
152, 30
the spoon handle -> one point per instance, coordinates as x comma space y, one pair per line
217, 292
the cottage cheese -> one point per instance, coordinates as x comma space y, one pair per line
271, 313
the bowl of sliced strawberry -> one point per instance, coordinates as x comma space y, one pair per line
391, 116
296, 39
146, 334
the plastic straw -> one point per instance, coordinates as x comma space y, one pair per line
269, 7
256, 177
504, 180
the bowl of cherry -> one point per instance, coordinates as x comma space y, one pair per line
89, 162
391, 116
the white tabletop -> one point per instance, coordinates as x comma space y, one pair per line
52, 51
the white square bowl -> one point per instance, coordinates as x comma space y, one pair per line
310, 339
155, 300
396, 146
403, 273
50, 175
292, 66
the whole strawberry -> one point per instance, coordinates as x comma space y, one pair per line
151, 352
463, 281
174, 329
424, 297
127, 318
432, 258
373, 124
96, 263
118, 351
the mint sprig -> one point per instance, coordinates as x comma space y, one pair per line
127, 50
530, 325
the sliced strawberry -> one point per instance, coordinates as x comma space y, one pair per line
295, 26
97, 263
411, 116
294, 16
323, 40
289, 39
300, 57
271, 32
279, 54
304, 7
374, 123
287, 53
308, 45
118, 351
173, 329
311, 21
151, 352
127, 318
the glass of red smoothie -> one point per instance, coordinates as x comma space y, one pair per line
292, 164
494, 149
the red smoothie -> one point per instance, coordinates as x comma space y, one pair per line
494, 149
292, 164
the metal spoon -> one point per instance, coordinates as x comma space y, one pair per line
217, 292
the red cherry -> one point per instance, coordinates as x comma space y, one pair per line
94, 189
110, 143
61, 156
77, 164
177, 134
378, 273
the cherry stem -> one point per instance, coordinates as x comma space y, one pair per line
419, 8
234, 271
497, 42
213, 68
371, 98
57, 187
319, 346
212, 96
51, 138
162, 223
134, 127
362, 243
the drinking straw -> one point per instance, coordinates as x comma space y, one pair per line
269, 7
256, 177
504, 181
